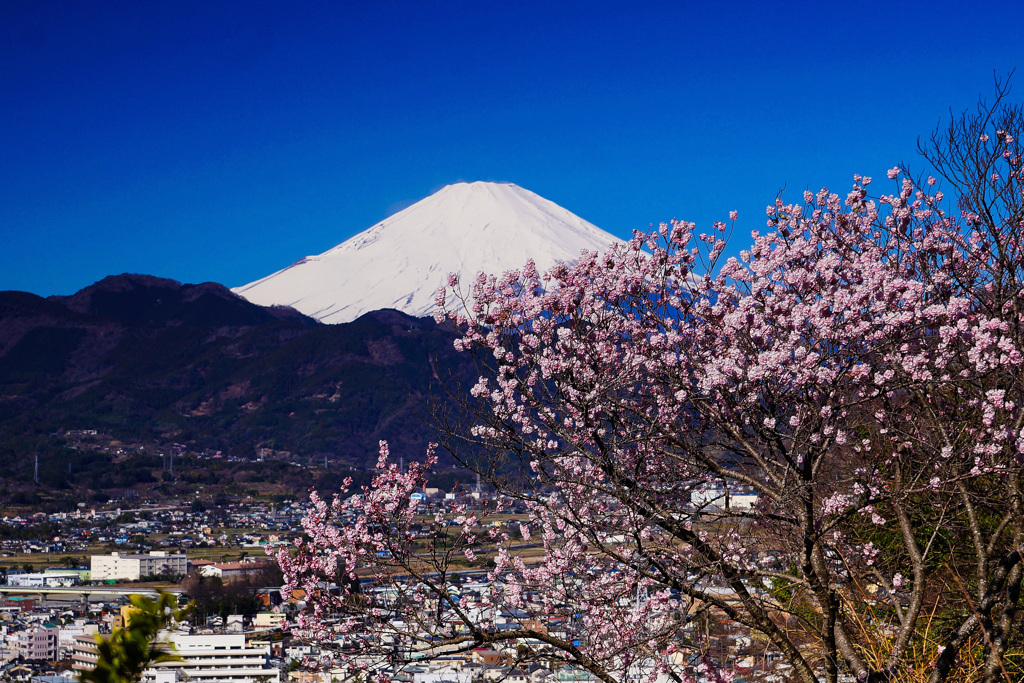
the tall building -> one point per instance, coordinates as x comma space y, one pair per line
118, 567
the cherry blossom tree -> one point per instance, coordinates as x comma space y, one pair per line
818, 442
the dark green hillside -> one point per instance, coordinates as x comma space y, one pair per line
148, 360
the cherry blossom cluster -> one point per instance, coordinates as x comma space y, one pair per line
850, 359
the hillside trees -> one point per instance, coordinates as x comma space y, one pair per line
859, 367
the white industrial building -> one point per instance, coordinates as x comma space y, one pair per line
40, 579
118, 567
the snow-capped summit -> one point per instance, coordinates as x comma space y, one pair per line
400, 262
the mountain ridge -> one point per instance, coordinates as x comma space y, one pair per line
207, 369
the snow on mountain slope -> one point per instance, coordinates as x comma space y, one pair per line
400, 262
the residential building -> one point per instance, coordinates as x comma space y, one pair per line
68, 634
120, 567
204, 658
269, 620
83, 652
38, 643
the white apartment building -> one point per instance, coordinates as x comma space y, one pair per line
205, 659
67, 635
223, 658
118, 567
83, 652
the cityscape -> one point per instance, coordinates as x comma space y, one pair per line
534, 342
52, 611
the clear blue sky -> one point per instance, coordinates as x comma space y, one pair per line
224, 140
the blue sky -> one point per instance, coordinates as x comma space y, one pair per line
224, 140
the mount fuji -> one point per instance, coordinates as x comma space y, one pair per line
399, 263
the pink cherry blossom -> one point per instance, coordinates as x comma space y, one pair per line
841, 404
